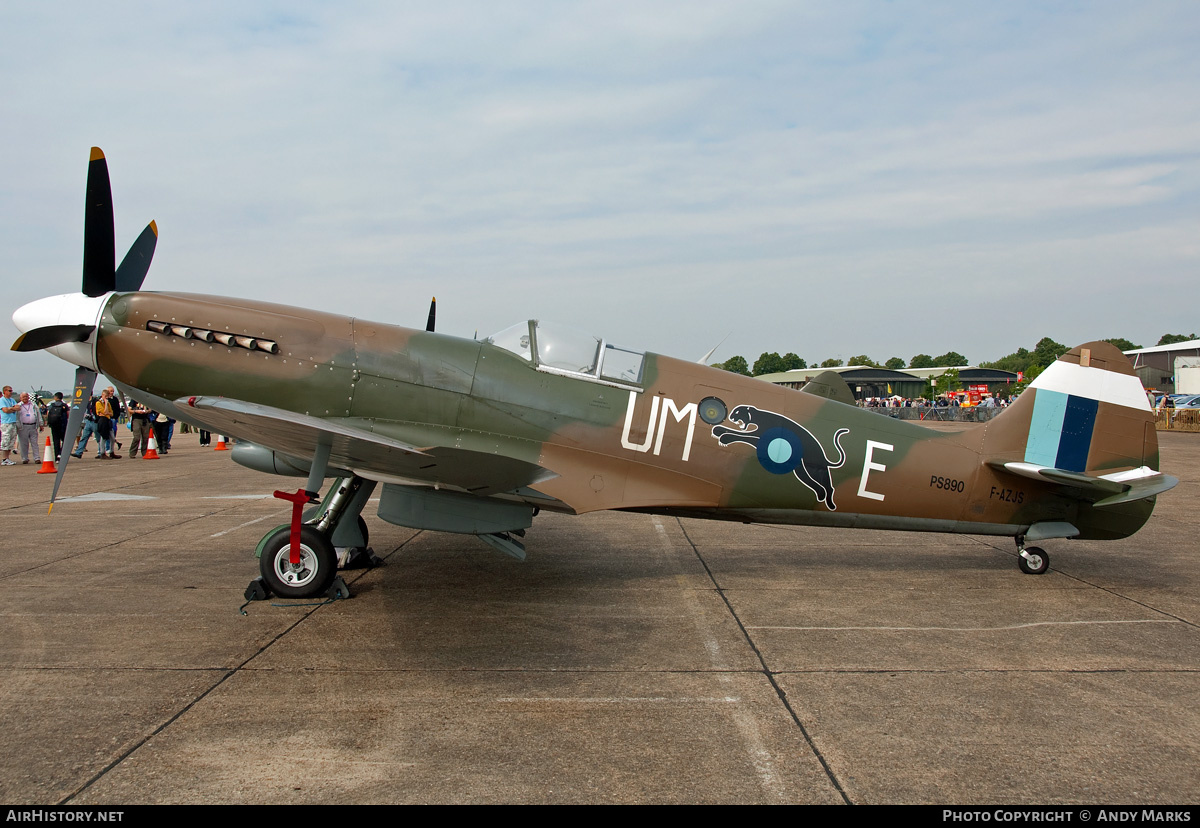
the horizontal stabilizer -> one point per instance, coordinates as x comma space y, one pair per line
1105, 490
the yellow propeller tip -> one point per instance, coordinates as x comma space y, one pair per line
97, 154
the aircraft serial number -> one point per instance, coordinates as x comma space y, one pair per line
947, 483
1008, 495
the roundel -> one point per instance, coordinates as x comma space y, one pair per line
779, 450
712, 410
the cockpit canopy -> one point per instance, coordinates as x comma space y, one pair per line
555, 349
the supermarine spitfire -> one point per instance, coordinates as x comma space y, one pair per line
477, 436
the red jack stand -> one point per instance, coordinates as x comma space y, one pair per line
299, 500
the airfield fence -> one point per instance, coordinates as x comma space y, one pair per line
1183, 419
950, 414
1180, 419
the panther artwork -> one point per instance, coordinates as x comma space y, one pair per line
783, 446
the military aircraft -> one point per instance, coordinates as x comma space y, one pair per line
477, 437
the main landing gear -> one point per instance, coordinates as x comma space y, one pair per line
300, 559
1033, 560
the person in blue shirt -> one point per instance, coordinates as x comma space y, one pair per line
9, 406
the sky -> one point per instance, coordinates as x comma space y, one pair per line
828, 179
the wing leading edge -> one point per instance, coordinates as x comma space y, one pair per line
365, 453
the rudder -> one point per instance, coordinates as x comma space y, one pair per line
1086, 412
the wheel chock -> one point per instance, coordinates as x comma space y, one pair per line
257, 590
337, 589
361, 558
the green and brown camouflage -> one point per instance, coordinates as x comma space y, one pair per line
477, 436
486, 421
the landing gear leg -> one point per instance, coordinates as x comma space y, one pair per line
348, 531
1033, 560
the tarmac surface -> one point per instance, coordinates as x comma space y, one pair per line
630, 658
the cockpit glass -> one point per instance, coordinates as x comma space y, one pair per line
515, 339
562, 350
566, 349
622, 365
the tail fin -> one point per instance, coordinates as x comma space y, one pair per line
831, 385
1084, 423
1090, 412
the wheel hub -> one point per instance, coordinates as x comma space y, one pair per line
296, 575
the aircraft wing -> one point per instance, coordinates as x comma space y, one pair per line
370, 455
1106, 490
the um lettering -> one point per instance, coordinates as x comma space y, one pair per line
656, 425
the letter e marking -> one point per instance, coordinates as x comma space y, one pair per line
868, 466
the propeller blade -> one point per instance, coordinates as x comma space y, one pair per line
704, 359
132, 270
85, 380
99, 249
51, 335
432, 314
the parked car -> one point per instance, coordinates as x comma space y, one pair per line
1177, 400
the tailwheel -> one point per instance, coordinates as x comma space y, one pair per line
312, 576
1033, 560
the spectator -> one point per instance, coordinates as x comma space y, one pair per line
105, 418
161, 425
29, 423
9, 406
139, 423
57, 414
89, 429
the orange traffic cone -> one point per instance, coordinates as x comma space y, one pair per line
151, 452
221, 443
48, 460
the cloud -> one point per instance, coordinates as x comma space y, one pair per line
860, 178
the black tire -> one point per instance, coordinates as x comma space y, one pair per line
1039, 564
318, 564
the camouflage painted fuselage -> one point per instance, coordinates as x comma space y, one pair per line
484, 414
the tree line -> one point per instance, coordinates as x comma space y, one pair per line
1023, 360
